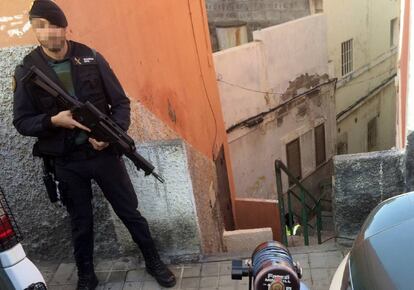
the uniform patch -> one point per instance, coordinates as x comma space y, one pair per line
14, 84
84, 60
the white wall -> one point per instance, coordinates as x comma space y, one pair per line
284, 61
368, 23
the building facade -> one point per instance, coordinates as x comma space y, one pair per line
278, 103
363, 38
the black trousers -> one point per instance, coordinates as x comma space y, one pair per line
109, 172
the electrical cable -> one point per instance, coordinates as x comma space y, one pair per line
203, 80
287, 94
263, 114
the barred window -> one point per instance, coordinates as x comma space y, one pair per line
347, 56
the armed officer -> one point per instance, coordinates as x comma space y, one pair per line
78, 159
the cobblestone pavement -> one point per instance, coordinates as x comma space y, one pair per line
318, 262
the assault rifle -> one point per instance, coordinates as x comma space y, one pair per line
101, 125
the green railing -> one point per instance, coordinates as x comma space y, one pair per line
304, 197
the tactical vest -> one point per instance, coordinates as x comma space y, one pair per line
87, 83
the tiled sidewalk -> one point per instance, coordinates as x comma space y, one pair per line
318, 262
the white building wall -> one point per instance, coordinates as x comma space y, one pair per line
368, 23
283, 62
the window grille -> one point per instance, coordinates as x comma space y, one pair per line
347, 56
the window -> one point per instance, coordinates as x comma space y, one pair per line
347, 53
320, 154
293, 159
394, 32
372, 134
316, 6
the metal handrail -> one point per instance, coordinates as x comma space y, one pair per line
298, 198
306, 210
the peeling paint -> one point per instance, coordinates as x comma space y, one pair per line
19, 32
302, 110
10, 18
303, 83
14, 25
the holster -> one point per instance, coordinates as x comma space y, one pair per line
51, 188
49, 180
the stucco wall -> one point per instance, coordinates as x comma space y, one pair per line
183, 219
258, 66
166, 68
368, 23
253, 78
44, 226
355, 125
361, 182
161, 52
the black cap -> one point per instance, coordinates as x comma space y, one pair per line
48, 10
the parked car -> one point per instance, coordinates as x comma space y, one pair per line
17, 272
382, 256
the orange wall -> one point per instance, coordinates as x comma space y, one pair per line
404, 71
160, 51
151, 47
13, 16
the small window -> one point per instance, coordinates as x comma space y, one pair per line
293, 159
372, 135
394, 32
347, 56
320, 153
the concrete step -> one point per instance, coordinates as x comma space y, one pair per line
245, 240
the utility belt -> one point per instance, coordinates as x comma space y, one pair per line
82, 152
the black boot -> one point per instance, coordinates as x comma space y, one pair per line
87, 277
156, 268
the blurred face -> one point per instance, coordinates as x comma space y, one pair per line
49, 36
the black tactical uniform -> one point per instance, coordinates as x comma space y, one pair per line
76, 162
